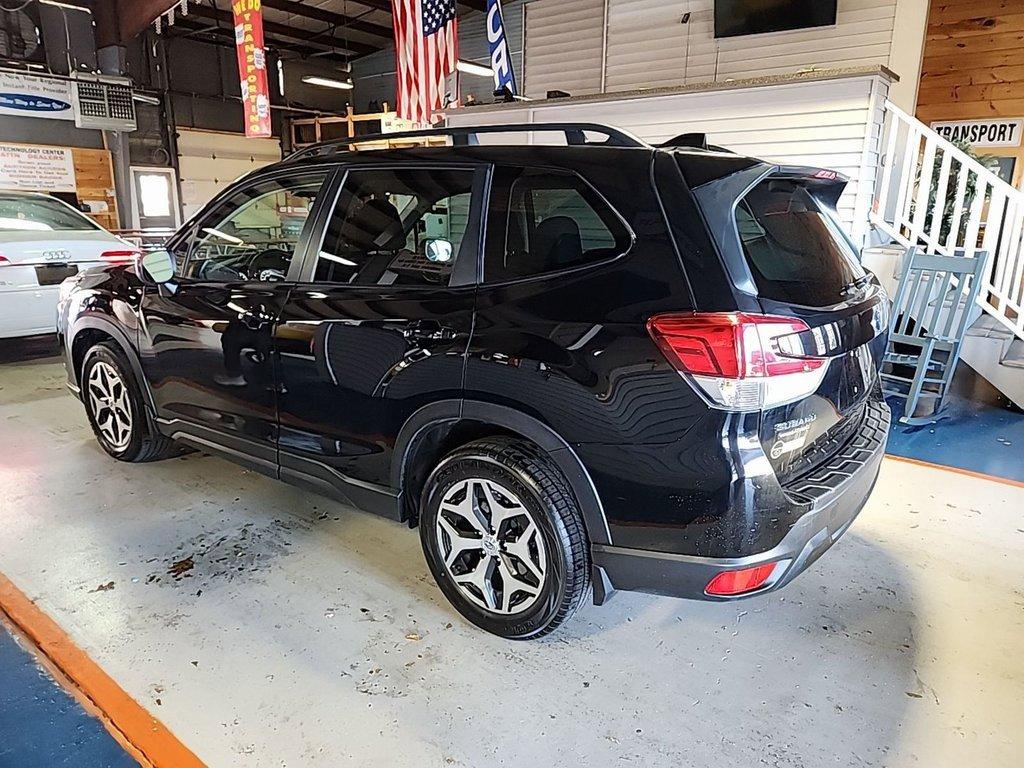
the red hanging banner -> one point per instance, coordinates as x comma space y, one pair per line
252, 67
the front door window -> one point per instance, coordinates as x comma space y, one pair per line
253, 233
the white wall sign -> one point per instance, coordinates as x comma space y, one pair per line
38, 169
31, 96
984, 133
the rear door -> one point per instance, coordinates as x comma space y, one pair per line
802, 265
379, 323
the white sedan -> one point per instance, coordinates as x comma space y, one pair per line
42, 242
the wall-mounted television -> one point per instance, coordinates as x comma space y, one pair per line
752, 17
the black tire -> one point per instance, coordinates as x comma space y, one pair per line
143, 443
527, 472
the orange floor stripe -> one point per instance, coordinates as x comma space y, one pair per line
957, 470
145, 737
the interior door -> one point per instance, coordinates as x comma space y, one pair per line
206, 338
379, 326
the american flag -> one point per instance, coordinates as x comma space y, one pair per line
427, 50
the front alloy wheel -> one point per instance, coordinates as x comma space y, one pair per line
108, 400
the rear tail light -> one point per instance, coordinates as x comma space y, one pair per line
4, 260
740, 362
731, 583
119, 257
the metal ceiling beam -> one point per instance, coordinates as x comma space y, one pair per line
339, 20
385, 5
226, 37
283, 30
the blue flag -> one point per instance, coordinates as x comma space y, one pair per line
501, 60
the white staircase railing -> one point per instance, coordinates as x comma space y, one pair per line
930, 194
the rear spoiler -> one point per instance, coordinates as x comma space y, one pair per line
828, 184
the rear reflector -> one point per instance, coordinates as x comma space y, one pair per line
119, 257
738, 582
736, 359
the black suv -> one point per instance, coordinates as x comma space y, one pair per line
577, 367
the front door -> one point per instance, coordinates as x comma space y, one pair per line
378, 326
206, 337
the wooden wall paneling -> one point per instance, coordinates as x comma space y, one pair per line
94, 177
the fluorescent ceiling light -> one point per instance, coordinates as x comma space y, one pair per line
327, 82
339, 259
472, 68
223, 236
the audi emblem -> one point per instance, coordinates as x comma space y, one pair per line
58, 255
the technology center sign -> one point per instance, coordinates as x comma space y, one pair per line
252, 67
30, 96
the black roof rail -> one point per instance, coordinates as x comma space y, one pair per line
575, 135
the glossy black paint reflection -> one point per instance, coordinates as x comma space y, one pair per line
207, 353
356, 363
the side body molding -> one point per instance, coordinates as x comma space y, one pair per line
449, 412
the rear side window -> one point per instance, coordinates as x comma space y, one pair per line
38, 214
546, 220
794, 244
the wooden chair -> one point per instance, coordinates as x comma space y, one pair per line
931, 311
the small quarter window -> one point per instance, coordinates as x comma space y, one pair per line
551, 220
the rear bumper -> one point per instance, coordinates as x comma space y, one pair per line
835, 492
27, 311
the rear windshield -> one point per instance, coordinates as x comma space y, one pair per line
37, 214
794, 245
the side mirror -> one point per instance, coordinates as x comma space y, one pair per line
157, 266
439, 251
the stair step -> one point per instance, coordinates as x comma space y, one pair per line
989, 327
1014, 356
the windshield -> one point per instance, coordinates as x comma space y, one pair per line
40, 214
794, 245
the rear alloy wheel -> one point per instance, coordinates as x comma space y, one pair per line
116, 410
492, 546
504, 538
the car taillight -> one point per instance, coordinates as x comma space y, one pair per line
119, 257
731, 583
4, 260
740, 361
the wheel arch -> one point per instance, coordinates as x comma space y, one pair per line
91, 330
439, 427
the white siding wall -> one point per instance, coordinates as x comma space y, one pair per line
564, 45
208, 162
829, 124
648, 46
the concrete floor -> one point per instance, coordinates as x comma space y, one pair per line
266, 626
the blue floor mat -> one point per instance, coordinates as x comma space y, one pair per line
42, 725
978, 430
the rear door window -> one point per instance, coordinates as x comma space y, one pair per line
794, 244
398, 226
